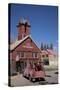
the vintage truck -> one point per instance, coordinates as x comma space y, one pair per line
34, 71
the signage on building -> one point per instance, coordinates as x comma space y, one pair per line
27, 45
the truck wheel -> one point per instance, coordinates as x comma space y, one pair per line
42, 79
33, 79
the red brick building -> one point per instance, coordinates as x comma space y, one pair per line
24, 49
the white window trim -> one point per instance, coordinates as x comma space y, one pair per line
24, 55
34, 55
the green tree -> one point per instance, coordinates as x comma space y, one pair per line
42, 47
51, 46
45, 47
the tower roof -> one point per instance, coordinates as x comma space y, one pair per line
24, 21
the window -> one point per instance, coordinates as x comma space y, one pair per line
34, 55
22, 54
43, 56
46, 55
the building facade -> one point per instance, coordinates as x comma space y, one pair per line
24, 49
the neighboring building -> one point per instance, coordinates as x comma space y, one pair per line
45, 57
49, 57
53, 58
24, 49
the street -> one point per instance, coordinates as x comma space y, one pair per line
19, 80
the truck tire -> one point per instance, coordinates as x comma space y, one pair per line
33, 80
42, 79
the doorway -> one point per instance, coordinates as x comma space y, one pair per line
20, 66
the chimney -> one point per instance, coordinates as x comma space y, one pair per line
23, 28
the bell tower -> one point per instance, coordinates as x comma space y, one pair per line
23, 28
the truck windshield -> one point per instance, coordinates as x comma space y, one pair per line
38, 67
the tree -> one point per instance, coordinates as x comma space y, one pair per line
45, 47
42, 47
51, 46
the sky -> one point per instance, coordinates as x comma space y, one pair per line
43, 21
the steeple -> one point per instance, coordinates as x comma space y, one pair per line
23, 28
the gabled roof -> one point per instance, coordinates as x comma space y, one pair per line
16, 43
23, 21
51, 52
48, 51
44, 52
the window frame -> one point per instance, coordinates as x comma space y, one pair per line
22, 56
34, 54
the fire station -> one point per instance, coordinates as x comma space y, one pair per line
24, 49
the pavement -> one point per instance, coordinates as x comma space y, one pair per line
19, 80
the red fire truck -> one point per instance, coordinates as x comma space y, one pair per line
34, 71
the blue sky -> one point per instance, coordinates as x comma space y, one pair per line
43, 20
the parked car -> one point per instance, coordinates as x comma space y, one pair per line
34, 71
